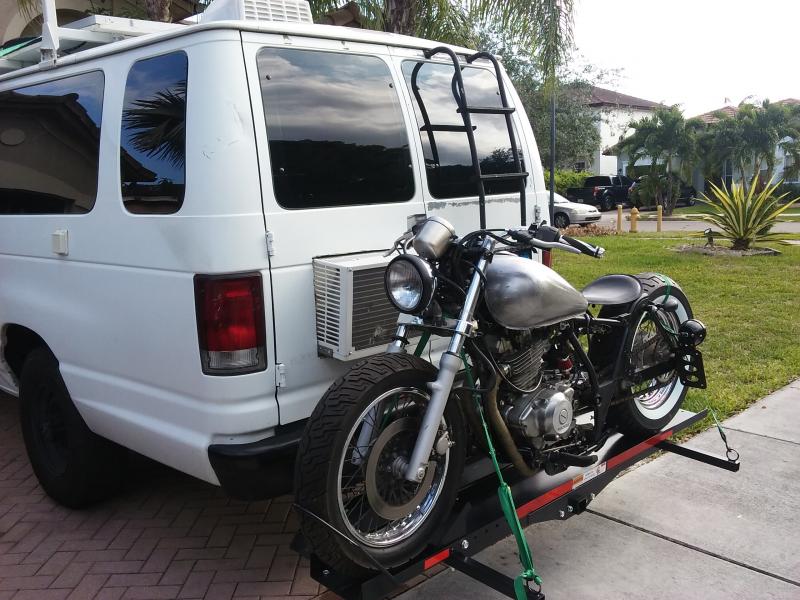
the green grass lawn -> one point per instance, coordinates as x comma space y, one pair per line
749, 304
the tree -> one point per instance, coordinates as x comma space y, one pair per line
541, 28
666, 137
749, 138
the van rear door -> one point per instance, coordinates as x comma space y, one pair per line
451, 190
337, 178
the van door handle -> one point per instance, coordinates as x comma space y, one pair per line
60, 242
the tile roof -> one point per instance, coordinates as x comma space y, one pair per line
604, 97
712, 115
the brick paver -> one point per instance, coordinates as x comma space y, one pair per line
167, 535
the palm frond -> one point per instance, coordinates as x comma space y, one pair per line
157, 125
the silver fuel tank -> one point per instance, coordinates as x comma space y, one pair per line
522, 294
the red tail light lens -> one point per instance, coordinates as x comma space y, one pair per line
230, 323
595, 190
547, 258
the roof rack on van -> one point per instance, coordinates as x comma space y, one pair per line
87, 33
97, 30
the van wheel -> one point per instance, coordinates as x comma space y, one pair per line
74, 466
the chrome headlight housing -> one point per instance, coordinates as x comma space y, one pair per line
409, 283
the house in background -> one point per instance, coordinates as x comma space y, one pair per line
615, 112
785, 167
15, 23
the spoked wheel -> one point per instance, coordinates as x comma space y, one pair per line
352, 459
655, 401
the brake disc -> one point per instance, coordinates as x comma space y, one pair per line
388, 492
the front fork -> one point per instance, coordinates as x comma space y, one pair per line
449, 366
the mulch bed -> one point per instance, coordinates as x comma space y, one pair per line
725, 251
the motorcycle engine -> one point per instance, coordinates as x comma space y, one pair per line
541, 408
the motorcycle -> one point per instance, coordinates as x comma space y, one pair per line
380, 463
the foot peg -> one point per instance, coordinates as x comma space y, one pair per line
573, 460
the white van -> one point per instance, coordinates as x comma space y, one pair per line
191, 225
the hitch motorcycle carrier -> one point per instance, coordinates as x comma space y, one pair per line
477, 520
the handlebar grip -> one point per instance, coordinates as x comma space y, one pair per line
585, 248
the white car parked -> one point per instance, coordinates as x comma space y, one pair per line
566, 213
191, 220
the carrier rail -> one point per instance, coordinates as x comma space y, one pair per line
477, 521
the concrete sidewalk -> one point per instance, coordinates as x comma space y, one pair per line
675, 528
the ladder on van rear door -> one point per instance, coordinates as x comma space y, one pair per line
465, 109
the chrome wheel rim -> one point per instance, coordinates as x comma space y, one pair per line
353, 478
658, 402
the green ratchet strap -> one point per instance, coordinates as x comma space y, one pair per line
507, 503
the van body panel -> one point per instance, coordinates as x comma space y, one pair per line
118, 311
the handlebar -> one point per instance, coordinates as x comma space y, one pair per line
584, 247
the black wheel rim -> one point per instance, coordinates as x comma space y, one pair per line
50, 431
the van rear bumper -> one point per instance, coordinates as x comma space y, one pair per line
258, 470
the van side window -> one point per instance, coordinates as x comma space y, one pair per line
50, 146
448, 163
153, 140
335, 128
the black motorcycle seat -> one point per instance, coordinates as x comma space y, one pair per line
613, 289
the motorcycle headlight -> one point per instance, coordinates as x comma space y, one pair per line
409, 283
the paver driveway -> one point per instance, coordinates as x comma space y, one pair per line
166, 536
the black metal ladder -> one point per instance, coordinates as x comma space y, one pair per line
466, 110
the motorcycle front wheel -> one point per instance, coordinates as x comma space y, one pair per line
351, 459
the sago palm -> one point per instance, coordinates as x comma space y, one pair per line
745, 216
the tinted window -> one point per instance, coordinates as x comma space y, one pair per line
50, 146
447, 157
153, 152
593, 181
335, 128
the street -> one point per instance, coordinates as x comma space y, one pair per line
609, 219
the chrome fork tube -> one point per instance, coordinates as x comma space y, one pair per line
449, 366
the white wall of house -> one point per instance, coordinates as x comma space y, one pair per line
613, 123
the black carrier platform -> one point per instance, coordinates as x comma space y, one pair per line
477, 520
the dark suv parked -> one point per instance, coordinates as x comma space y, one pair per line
605, 191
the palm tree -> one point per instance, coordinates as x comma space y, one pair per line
749, 138
541, 27
666, 137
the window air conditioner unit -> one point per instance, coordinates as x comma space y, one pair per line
354, 316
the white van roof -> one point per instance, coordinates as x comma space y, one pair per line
112, 35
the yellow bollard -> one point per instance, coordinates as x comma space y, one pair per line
619, 218
634, 219
660, 211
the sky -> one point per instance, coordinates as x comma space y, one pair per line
701, 54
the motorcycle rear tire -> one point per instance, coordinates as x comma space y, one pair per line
633, 416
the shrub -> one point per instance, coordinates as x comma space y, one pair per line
567, 179
790, 190
745, 217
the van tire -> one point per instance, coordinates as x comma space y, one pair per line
75, 467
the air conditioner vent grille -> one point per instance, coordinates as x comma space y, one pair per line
277, 10
374, 318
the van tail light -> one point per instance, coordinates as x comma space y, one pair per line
230, 323
547, 258
596, 190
